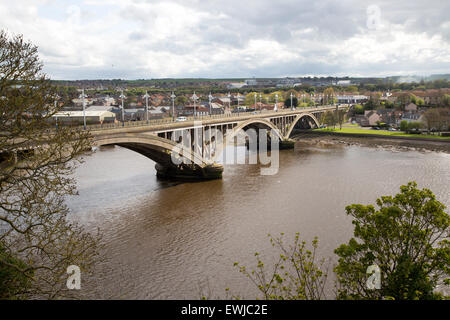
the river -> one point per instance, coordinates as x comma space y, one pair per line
179, 240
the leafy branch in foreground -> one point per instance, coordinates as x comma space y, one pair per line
297, 275
407, 237
37, 242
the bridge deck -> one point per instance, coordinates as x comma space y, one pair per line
155, 126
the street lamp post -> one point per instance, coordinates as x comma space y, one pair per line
146, 96
260, 103
122, 96
173, 96
255, 101
238, 96
292, 106
194, 97
210, 97
276, 102
229, 101
83, 96
55, 110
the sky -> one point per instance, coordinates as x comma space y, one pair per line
145, 39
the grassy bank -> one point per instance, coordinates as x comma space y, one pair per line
381, 133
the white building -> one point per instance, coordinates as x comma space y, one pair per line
236, 85
352, 98
251, 82
344, 83
76, 117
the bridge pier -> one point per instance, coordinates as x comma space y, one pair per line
287, 144
189, 172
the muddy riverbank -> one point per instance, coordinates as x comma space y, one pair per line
331, 140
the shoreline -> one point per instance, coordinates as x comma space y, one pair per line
326, 139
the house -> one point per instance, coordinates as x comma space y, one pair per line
412, 107
216, 108
373, 117
132, 114
223, 101
370, 118
188, 110
411, 117
362, 120
261, 106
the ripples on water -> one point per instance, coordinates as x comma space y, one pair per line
179, 240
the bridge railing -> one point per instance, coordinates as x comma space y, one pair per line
237, 115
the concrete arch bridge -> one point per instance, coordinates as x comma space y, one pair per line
190, 149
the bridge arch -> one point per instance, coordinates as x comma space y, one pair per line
258, 123
303, 117
153, 147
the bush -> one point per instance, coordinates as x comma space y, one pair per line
13, 281
404, 125
406, 237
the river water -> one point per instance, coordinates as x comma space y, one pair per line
179, 241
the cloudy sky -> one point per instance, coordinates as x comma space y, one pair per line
135, 39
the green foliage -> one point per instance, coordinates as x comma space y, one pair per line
358, 109
250, 98
298, 274
13, 281
404, 125
303, 105
407, 237
287, 102
329, 118
414, 125
34, 220
446, 100
388, 104
181, 100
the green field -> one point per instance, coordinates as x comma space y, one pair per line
381, 132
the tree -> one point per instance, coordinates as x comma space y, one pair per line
328, 96
358, 109
414, 126
329, 118
287, 102
250, 98
404, 125
407, 237
13, 283
374, 101
432, 119
404, 99
340, 117
181, 100
272, 96
297, 275
37, 241
446, 100
352, 89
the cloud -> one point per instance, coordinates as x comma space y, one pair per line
151, 39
